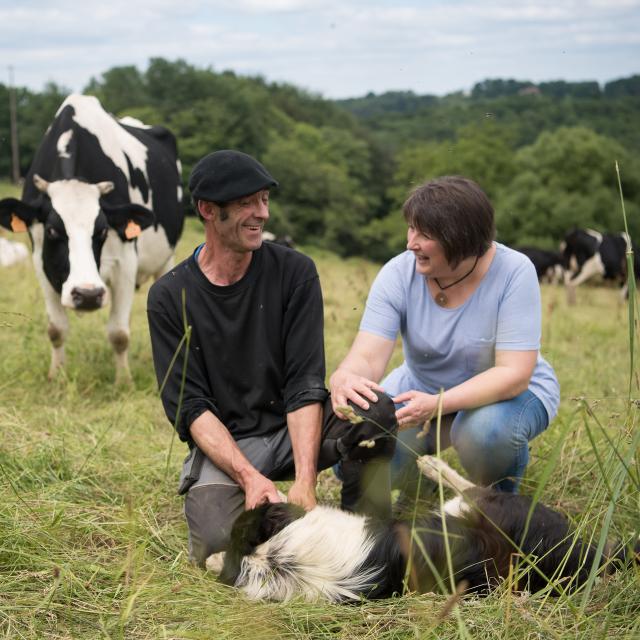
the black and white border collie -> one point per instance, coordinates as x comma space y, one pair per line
278, 551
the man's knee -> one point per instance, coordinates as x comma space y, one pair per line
210, 511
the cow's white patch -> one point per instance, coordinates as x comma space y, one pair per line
595, 234
180, 192
627, 241
12, 252
63, 144
324, 549
58, 321
155, 255
591, 267
77, 203
130, 121
115, 141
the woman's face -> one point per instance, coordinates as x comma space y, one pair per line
430, 257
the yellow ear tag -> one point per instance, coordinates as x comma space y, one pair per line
132, 231
17, 224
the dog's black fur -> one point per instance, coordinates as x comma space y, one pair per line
251, 529
497, 535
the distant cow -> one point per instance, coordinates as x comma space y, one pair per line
285, 241
548, 264
12, 252
587, 253
101, 203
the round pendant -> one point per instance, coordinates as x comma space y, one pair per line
441, 299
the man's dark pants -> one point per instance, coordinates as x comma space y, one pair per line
213, 500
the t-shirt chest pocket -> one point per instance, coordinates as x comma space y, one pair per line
480, 354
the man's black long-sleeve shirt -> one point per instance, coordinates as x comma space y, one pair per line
257, 346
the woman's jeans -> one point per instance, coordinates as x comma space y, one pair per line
491, 441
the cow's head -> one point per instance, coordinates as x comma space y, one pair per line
69, 225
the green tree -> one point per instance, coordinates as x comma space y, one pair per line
119, 88
565, 179
320, 200
482, 153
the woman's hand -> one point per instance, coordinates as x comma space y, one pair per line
345, 386
418, 408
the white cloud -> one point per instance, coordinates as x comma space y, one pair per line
335, 47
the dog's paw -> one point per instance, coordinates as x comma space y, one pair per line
214, 562
431, 466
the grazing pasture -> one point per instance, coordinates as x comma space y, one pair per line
92, 540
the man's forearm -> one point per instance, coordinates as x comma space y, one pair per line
215, 441
305, 426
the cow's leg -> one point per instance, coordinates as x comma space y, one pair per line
120, 275
591, 267
122, 292
118, 330
436, 468
57, 328
58, 325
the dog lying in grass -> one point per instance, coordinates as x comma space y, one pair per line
479, 538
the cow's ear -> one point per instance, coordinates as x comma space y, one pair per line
105, 187
129, 220
42, 185
16, 215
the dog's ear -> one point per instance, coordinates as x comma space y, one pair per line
251, 529
276, 517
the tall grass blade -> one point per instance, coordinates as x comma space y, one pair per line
186, 341
631, 286
618, 475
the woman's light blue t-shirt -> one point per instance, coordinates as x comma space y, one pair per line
444, 347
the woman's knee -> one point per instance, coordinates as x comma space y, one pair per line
482, 430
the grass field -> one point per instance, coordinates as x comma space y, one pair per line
92, 539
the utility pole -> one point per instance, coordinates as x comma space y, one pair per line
13, 119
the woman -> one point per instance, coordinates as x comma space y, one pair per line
469, 313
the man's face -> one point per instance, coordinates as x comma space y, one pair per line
239, 224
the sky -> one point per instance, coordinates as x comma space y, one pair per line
334, 48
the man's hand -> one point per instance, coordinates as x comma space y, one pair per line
350, 386
303, 494
259, 490
419, 408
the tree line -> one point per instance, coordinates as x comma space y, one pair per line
544, 153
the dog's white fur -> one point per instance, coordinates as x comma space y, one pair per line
324, 549
319, 554
330, 555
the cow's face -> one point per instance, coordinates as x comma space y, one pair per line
73, 233
69, 229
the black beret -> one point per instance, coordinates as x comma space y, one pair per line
227, 175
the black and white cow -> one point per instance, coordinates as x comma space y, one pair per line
588, 253
102, 205
548, 264
285, 241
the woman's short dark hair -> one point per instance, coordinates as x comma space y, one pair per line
456, 212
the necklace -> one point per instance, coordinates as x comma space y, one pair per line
441, 297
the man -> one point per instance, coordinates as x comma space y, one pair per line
250, 399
